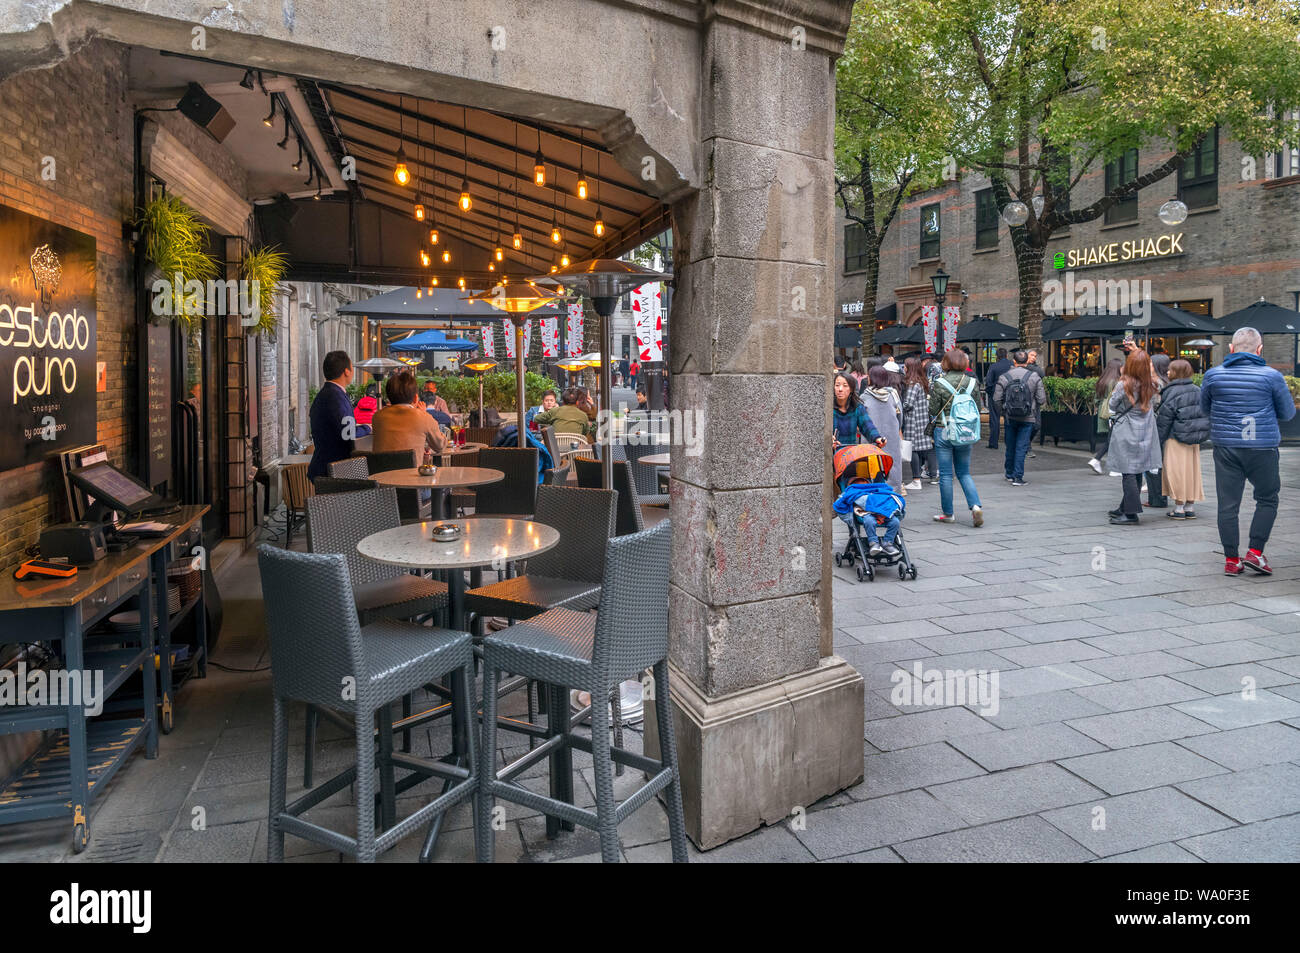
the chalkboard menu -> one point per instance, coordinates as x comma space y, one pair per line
158, 443
47, 338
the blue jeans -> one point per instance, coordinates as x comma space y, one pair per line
954, 459
1019, 433
890, 527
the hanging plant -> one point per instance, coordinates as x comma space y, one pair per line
176, 242
266, 266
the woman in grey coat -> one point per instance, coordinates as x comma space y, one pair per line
1134, 439
880, 399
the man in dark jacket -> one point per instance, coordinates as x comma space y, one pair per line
1019, 386
1246, 399
333, 426
1000, 367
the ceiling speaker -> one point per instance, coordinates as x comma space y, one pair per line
210, 115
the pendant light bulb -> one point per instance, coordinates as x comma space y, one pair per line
433, 236
599, 227
517, 240
500, 253
556, 237
582, 188
539, 171
419, 212
466, 203
446, 256
564, 261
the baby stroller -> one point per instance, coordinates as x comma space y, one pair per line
861, 475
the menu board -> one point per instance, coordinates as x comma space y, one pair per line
47, 338
158, 440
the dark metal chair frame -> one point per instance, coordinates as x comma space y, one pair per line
516, 494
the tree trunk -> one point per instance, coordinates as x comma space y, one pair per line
869, 296
1029, 271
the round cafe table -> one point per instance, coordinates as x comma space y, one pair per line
655, 460
452, 450
443, 479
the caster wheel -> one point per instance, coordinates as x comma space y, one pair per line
167, 721
80, 837
861, 574
838, 560
902, 572
912, 572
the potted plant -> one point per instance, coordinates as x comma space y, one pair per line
1071, 410
265, 268
176, 242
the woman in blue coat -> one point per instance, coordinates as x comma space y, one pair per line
849, 419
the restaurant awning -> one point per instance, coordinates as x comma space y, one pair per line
432, 340
432, 303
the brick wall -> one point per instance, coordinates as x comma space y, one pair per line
78, 113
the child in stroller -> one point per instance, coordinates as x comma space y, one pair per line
868, 503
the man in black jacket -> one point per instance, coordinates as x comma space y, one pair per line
1000, 367
333, 426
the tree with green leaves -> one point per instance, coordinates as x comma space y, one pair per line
1057, 90
892, 126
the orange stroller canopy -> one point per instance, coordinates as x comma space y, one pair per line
861, 463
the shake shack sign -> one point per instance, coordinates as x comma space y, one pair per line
47, 338
1118, 253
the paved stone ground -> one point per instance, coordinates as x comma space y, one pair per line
1121, 732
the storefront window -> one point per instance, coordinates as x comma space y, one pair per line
1076, 358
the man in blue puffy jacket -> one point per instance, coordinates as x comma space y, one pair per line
1245, 399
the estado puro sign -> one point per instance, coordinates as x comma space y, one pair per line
1117, 253
47, 338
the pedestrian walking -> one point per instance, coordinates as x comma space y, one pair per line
881, 402
1155, 494
849, 419
916, 424
1038, 412
1246, 400
634, 372
1105, 387
955, 420
998, 368
1018, 397
1182, 427
1134, 443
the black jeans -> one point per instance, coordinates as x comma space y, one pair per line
1155, 489
1103, 444
1132, 502
993, 424
1233, 466
926, 457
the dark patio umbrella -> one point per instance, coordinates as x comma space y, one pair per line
900, 334
1264, 316
1159, 319
986, 329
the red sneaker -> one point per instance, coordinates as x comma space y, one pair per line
1257, 562
1232, 567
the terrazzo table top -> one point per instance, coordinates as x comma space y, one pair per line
484, 540
444, 477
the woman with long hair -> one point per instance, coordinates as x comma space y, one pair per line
881, 402
1156, 498
1105, 385
954, 459
1182, 427
916, 417
1134, 442
849, 419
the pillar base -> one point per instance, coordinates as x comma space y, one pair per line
754, 757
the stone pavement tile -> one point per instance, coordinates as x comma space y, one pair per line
1206, 633
1022, 711
876, 705
864, 656
1139, 605
994, 578
1221, 612
976, 621
1014, 793
1286, 642
1276, 841
1134, 821
931, 582
1290, 665
1048, 653
1256, 794
908, 731
1227, 653
1233, 711
1231, 678
1198, 597
1093, 585
142, 786
767, 845
1126, 729
219, 844
890, 615
1141, 622
1056, 598
1143, 665
1158, 854
1273, 604
911, 768
1053, 613
876, 823
1289, 691
1141, 767
881, 855
1056, 631
913, 628
1283, 624
121, 840
1020, 746
1025, 840
1139, 693
1135, 641
1046, 678
962, 662
970, 641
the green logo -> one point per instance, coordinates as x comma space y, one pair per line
1058, 260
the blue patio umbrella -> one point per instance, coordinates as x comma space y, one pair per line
432, 340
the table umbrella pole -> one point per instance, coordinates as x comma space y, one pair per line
519, 381
605, 309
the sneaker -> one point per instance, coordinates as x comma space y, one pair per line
1009, 479
1096, 466
940, 518
874, 550
1020, 482
977, 516
1189, 514
1125, 520
934, 481
1232, 567
1114, 514
1115, 473
1257, 562
1032, 455
892, 551
914, 485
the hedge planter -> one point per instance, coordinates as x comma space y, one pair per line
1072, 428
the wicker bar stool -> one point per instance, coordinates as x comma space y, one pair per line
571, 649
318, 652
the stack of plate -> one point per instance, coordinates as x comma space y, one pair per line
173, 599
633, 706
128, 621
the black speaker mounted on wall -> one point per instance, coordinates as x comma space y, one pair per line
210, 115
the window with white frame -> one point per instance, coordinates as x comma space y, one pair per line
1285, 162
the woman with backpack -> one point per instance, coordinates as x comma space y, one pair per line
951, 406
1182, 427
916, 423
1134, 444
881, 402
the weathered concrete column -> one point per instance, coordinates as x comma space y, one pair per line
767, 719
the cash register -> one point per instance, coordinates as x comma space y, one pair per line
109, 492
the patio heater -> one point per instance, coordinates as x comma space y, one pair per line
517, 301
480, 366
604, 280
571, 366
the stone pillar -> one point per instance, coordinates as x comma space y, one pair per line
768, 720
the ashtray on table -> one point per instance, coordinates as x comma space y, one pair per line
445, 533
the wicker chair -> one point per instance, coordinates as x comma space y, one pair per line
568, 649
516, 495
484, 435
556, 476
353, 468
408, 501
296, 489
326, 484
316, 645
646, 478
630, 519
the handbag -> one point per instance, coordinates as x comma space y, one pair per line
904, 449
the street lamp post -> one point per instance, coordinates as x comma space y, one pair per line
939, 282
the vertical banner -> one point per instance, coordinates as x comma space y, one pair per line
550, 328
489, 342
509, 335
951, 318
528, 336
573, 330
930, 322
647, 311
